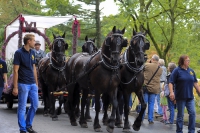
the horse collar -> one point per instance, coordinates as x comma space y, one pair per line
129, 67
107, 65
55, 67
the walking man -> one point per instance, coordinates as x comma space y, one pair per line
25, 83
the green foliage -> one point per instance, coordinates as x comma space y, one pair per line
9, 64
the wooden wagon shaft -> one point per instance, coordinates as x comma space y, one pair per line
65, 92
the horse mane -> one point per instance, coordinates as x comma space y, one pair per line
109, 34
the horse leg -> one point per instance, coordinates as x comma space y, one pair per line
77, 103
65, 104
105, 99
82, 120
53, 111
138, 121
96, 125
119, 112
61, 101
113, 99
45, 97
87, 112
71, 105
126, 97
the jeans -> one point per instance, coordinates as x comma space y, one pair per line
171, 107
26, 91
130, 101
1, 90
190, 105
160, 112
149, 99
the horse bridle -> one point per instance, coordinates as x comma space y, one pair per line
89, 41
141, 43
59, 45
57, 53
119, 42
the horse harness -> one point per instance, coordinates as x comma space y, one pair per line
131, 69
60, 70
87, 71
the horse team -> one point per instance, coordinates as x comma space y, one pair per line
101, 72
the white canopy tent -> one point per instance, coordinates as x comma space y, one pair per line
42, 22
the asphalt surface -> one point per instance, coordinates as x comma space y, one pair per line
8, 123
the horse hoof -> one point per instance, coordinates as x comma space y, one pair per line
135, 128
84, 125
126, 130
110, 130
54, 119
45, 115
105, 122
98, 130
89, 120
74, 124
119, 125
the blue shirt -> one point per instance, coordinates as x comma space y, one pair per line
25, 59
3, 69
184, 81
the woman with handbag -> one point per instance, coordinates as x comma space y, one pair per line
152, 73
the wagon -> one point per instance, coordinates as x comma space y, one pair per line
16, 30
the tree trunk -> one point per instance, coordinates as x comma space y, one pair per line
98, 24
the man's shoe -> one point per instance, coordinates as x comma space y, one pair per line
22, 131
151, 122
30, 130
157, 115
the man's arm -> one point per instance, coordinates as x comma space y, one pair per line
171, 92
15, 79
35, 74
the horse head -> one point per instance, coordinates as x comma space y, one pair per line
58, 48
139, 44
89, 46
113, 45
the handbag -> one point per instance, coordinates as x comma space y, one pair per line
145, 90
166, 90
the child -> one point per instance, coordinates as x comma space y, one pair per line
163, 102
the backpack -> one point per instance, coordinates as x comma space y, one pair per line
166, 90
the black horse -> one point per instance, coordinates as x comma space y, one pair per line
99, 71
89, 46
132, 77
52, 74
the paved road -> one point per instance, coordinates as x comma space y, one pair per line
8, 124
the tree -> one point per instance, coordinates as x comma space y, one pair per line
162, 20
10, 9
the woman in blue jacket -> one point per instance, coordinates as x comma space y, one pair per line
184, 79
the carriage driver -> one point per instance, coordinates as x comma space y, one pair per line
39, 54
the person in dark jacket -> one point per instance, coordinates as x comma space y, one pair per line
39, 54
3, 76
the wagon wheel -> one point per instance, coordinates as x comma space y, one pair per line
10, 104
